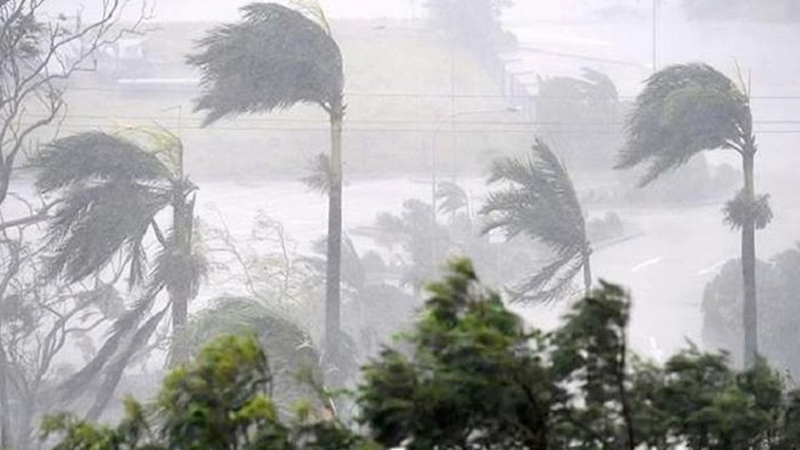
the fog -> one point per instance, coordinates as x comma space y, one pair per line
159, 164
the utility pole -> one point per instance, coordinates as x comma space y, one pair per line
656, 8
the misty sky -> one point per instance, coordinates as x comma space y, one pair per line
225, 10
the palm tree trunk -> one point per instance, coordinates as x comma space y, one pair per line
587, 273
750, 310
334, 257
179, 291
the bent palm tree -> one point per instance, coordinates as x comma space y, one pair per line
539, 201
684, 110
275, 58
110, 190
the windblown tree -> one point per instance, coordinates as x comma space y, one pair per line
474, 23
579, 112
537, 200
423, 243
39, 51
288, 344
687, 109
110, 190
277, 57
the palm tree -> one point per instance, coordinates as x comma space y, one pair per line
277, 57
684, 110
288, 345
110, 191
539, 201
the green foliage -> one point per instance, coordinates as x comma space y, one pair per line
469, 381
683, 110
470, 376
538, 199
220, 401
274, 58
289, 346
589, 353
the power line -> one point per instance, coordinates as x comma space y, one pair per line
139, 89
268, 120
394, 130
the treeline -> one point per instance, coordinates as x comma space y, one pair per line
469, 375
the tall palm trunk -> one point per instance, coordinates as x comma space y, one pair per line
587, 272
750, 309
180, 289
334, 257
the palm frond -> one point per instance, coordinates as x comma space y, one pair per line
551, 282
537, 199
684, 109
319, 177
175, 267
94, 223
274, 58
741, 210
451, 197
92, 156
162, 143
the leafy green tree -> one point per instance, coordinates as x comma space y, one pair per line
110, 188
222, 401
470, 380
289, 346
277, 57
469, 375
538, 200
590, 353
684, 110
